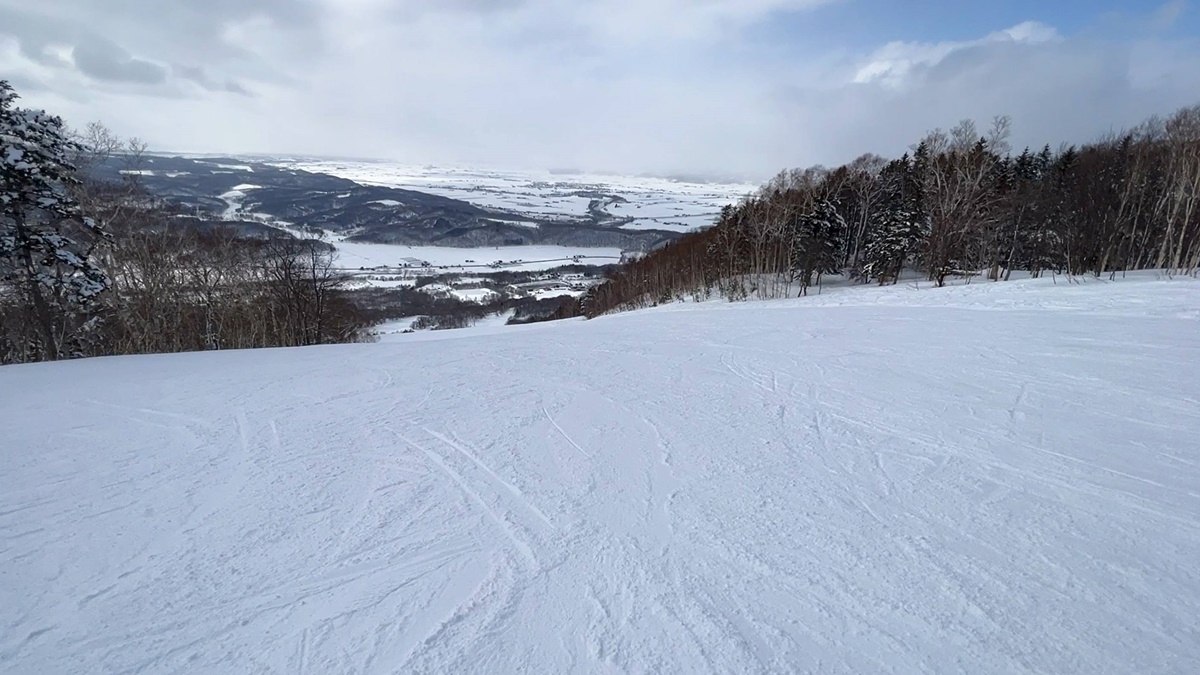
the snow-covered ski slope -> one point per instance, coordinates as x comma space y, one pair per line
1000, 478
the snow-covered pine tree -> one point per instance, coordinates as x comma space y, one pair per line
818, 238
901, 227
885, 253
45, 242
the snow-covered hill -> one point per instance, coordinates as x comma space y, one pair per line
249, 194
996, 478
627, 202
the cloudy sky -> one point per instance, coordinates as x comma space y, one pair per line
700, 86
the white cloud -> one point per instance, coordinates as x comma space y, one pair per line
652, 85
895, 61
669, 20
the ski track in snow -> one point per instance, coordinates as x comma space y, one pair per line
1005, 480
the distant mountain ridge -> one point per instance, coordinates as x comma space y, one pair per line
241, 192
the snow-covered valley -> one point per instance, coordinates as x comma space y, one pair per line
990, 478
632, 202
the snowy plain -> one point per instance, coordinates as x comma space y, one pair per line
446, 259
352, 255
647, 202
994, 478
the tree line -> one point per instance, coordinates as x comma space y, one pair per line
961, 203
90, 268
444, 312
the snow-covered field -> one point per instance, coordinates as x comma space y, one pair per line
995, 478
649, 203
447, 259
352, 255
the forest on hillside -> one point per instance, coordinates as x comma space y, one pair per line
92, 263
91, 267
960, 204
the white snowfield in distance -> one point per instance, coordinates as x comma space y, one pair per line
353, 255
650, 203
996, 478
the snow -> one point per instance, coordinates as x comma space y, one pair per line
353, 255
649, 202
556, 293
480, 295
436, 289
384, 282
1124, 296
233, 199
389, 330
521, 223
988, 478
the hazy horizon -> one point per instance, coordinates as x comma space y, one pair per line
658, 87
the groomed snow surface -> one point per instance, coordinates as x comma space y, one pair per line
997, 478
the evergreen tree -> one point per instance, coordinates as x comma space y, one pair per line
901, 227
818, 238
45, 242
